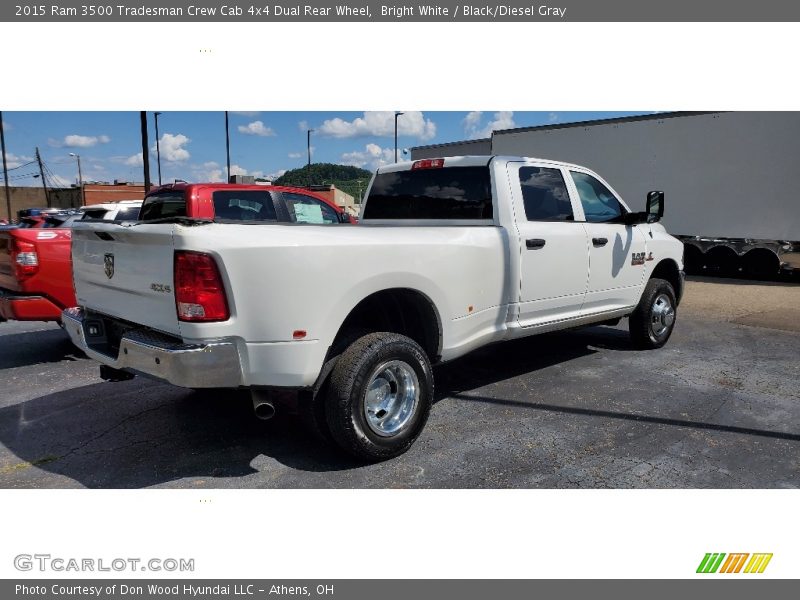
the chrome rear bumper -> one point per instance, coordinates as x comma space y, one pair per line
210, 365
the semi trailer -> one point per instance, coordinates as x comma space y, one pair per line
729, 177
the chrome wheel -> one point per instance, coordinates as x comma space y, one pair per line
392, 397
662, 316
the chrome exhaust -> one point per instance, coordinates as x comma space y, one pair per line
263, 409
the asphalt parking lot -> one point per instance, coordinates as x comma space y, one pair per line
718, 407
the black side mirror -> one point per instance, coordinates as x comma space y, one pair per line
344, 217
655, 206
635, 218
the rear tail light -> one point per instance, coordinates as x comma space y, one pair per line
25, 259
199, 292
428, 163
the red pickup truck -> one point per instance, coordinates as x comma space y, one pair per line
35, 273
240, 202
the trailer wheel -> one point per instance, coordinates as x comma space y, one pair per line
379, 396
653, 320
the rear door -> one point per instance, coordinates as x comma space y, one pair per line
554, 254
617, 252
126, 272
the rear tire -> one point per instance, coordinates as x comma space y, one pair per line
653, 320
379, 396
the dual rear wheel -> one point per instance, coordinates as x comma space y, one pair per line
377, 399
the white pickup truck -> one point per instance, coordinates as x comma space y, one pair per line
450, 255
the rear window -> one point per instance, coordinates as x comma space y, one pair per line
161, 206
455, 193
244, 205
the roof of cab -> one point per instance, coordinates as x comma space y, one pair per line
472, 161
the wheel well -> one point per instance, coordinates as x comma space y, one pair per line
668, 270
761, 262
404, 311
723, 259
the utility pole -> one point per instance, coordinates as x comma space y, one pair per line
145, 151
158, 149
308, 172
41, 172
228, 146
5, 166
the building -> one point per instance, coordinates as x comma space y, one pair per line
341, 199
34, 197
97, 193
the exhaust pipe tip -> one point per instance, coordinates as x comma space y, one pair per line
264, 410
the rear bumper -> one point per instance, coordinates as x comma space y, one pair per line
15, 307
208, 365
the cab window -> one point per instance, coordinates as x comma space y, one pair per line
599, 204
243, 205
305, 209
545, 195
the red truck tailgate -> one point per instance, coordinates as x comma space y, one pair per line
37, 261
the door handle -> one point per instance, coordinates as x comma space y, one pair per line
535, 244
598, 242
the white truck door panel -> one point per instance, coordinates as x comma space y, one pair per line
617, 252
554, 253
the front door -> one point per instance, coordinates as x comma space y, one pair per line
617, 252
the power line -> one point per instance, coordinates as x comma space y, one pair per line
33, 162
20, 176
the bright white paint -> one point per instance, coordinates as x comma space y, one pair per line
281, 278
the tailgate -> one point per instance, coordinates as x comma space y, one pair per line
126, 272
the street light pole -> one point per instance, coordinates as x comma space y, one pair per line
228, 146
396, 114
80, 175
308, 172
158, 149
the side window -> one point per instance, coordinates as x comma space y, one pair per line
243, 205
545, 195
599, 204
305, 209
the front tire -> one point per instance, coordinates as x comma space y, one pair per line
653, 320
379, 396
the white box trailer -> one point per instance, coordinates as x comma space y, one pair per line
730, 178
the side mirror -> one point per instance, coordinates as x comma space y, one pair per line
344, 217
655, 206
635, 218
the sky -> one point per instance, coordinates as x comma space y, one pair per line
264, 144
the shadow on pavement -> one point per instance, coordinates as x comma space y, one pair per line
610, 414
36, 347
142, 433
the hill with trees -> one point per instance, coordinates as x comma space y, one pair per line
351, 180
